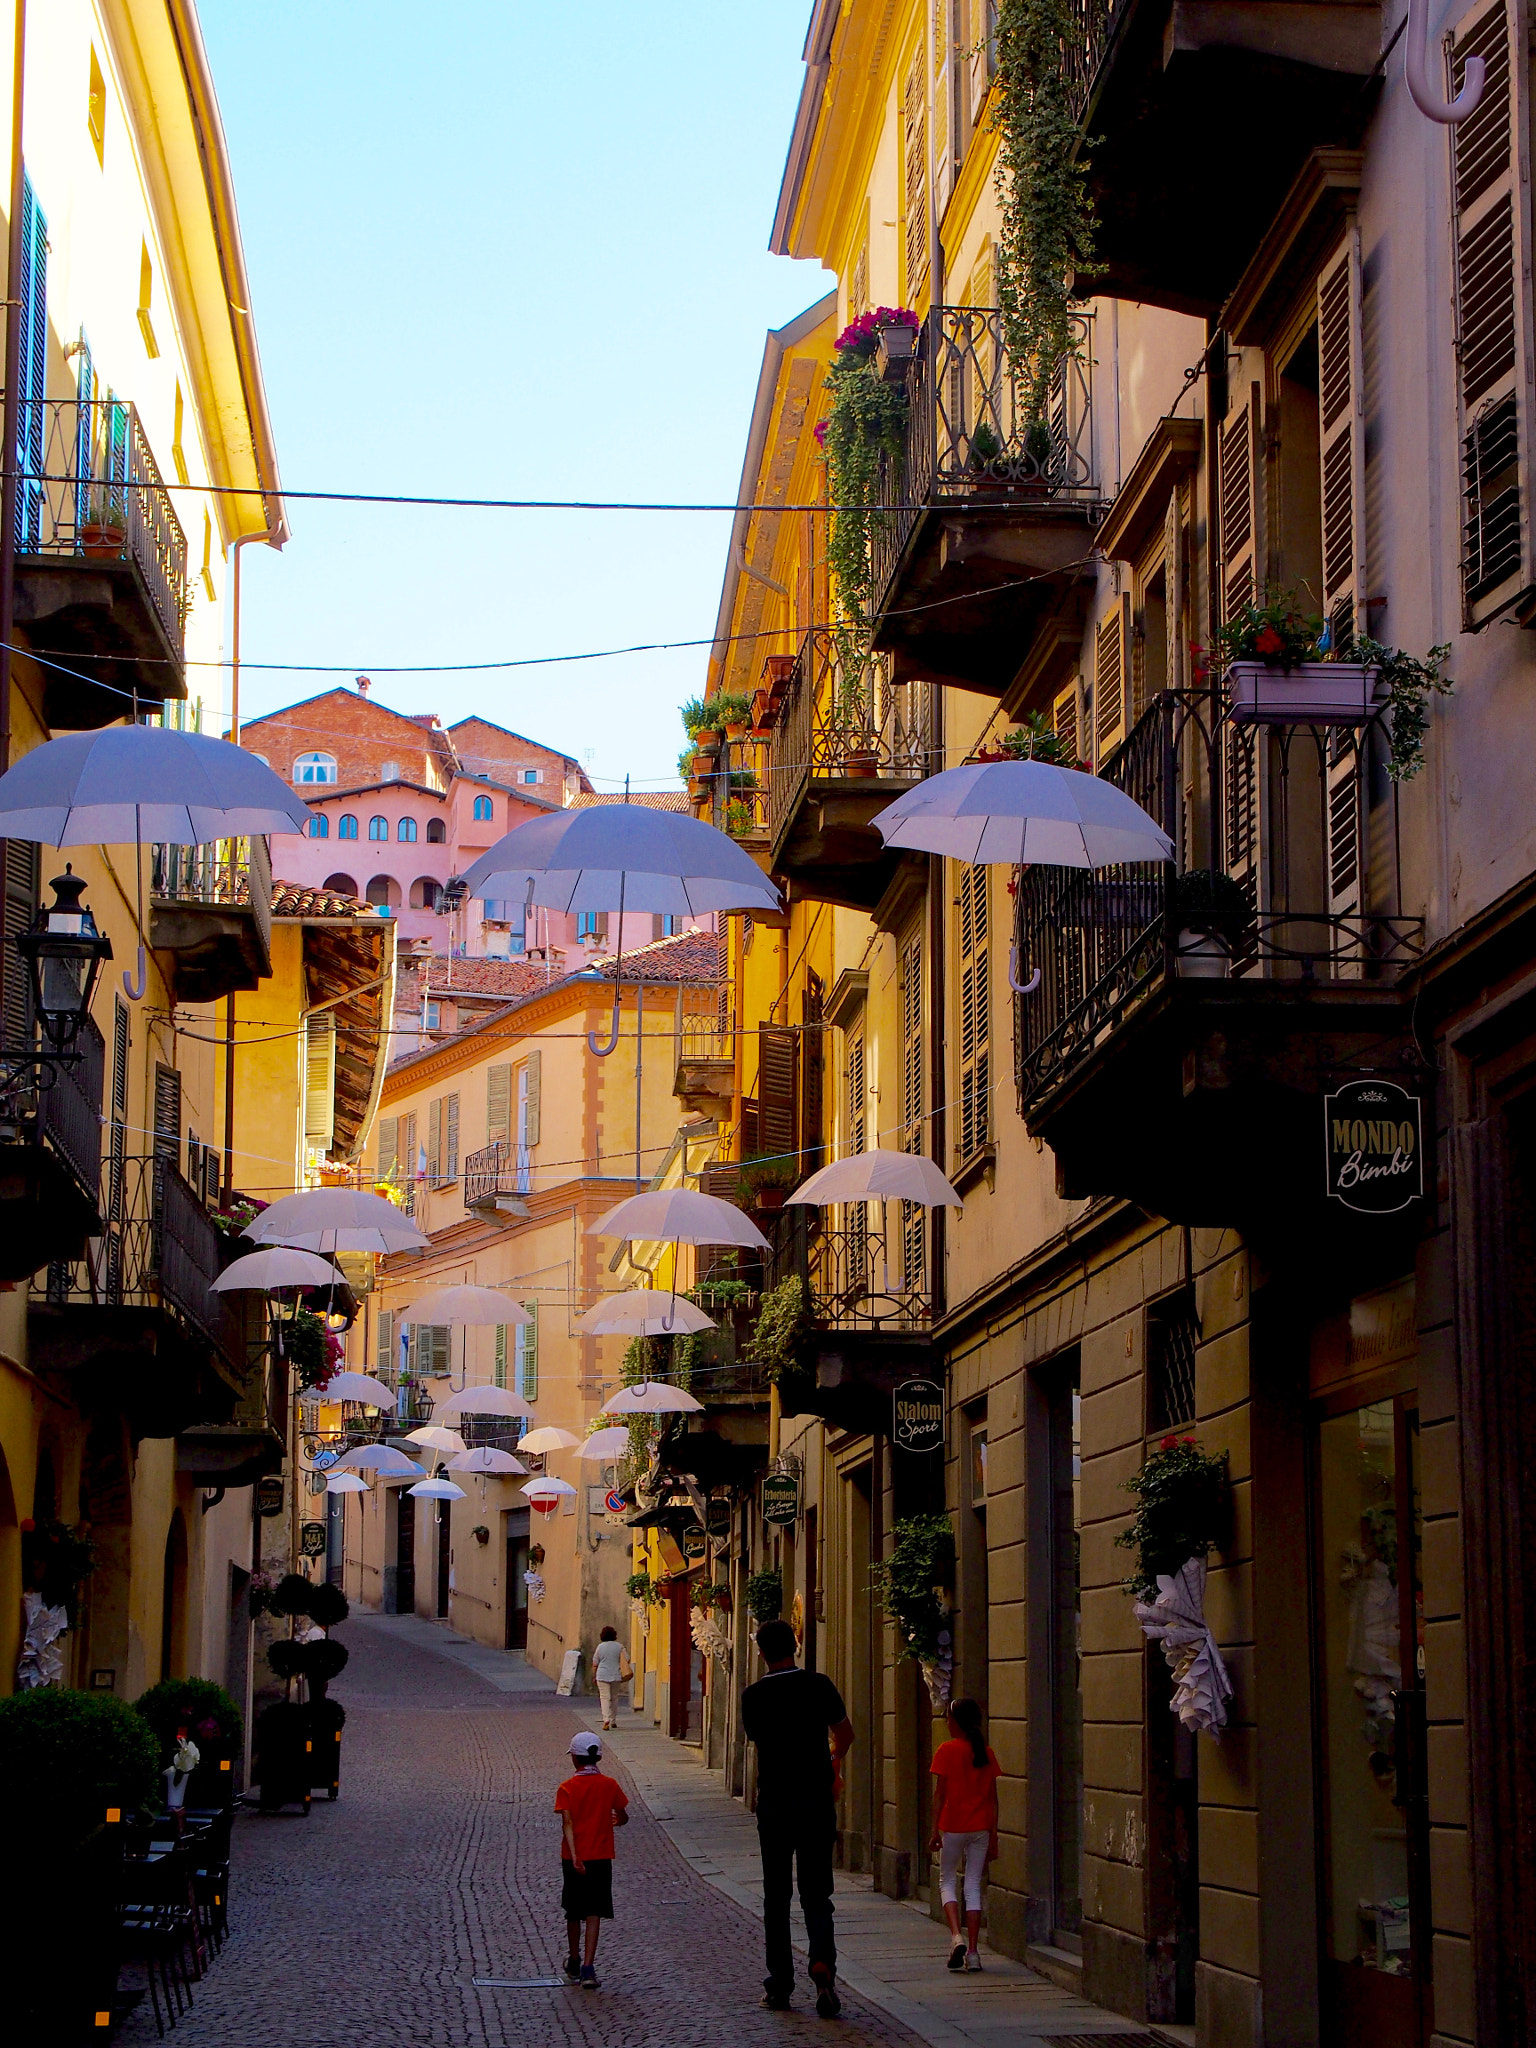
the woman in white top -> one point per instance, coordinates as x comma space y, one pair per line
610, 1667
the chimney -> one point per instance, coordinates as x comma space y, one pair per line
364, 685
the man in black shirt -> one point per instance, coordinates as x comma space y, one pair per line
801, 1730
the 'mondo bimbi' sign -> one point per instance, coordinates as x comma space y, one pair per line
1375, 1143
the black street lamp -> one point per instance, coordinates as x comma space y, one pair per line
64, 953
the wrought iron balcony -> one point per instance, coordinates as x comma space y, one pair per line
1265, 950
101, 566
859, 1279
846, 742
50, 1160
212, 908
871, 1310
498, 1177
706, 1066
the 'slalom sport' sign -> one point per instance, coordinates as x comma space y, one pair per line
1375, 1147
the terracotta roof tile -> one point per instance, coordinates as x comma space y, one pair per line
652, 800
291, 899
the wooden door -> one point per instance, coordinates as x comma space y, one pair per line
405, 1551
517, 1585
444, 1555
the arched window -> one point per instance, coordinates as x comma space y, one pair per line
344, 885
483, 809
424, 893
437, 831
315, 768
346, 826
384, 893
406, 832
319, 825
378, 828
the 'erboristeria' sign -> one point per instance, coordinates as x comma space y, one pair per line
1375, 1146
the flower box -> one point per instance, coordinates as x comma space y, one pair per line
1311, 693
893, 353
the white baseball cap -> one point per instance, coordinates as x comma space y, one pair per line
586, 1745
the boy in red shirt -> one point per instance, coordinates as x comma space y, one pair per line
590, 1807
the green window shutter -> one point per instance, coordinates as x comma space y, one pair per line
442, 1347
530, 1336
498, 1104
451, 1138
320, 1080
501, 1355
435, 1140
388, 1158
384, 1350
533, 1063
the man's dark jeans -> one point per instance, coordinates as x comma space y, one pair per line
797, 1848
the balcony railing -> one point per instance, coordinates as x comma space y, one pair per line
89, 488
1290, 852
159, 1248
856, 1277
969, 434
834, 724
496, 1170
69, 1111
1082, 52
224, 874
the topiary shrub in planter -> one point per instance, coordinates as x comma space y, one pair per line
1183, 1496
912, 1586
204, 1711
327, 1718
765, 1596
293, 1594
68, 1757
328, 1605
284, 1749
323, 1661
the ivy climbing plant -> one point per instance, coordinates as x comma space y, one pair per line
1045, 247
865, 428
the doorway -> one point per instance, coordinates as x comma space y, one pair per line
405, 1551
517, 1583
686, 1667
444, 1556
1370, 1680
1064, 1451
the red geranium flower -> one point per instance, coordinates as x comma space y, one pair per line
1268, 642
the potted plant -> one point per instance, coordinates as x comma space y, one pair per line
912, 1585
778, 1337
732, 710
1276, 674
481, 1534
1182, 1500
103, 532
1036, 739
765, 1596
763, 1183
179, 1709
1210, 911
896, 342
738, 818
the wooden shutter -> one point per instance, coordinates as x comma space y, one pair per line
320, 1080
17, 911
32, 315
856, 1214
409, 1161
1067, 718
778, 1059
533, 1068
387, 1160
914, 1128
1491, 337
1109, 680
498, 1104
1239, 507
384, 1347
528, 1349
812, 1070
450, 1164
975, 1014
499, 1370
980, 48
117, 1141
945, 109
858, 299
1342, 452
914, 142
167, 1114
441, 1335
751, 1128
435, 1140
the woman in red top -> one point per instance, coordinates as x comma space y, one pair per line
965, 1774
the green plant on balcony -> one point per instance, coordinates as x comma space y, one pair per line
1036, 740
779, 1334
912, 1584
771, 1175
1205, 900
1407, 681
697, 716
1182, 1510
730, 708
721, 1294
1045, 247
1275, 631
765, 1596
738, 817
642, 1587
311, 1349
865, 427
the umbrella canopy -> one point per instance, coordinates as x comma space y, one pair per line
437, 1489
466, 1305
431, 1438
357, 1386
143, 782
605, 1444
879, 1176
1010, 812
651, 1397
538, 1443
609, 856
683, 1215
547, 1489
346, 1482
265, 1272
485, 1459
483, 1401
383, 1459
643, 1312
337, 1220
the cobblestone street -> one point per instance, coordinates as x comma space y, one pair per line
439, 1864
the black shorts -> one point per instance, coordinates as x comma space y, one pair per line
587, 1892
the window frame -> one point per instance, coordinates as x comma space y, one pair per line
317, 757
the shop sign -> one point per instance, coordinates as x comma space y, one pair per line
781, 1498
718, 1517
1374, 1136
693, 1543
917, 1416
312, 1539
269, 1494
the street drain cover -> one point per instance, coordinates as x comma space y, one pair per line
518, 1983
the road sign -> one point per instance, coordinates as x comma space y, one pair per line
781, 1498
615, 1503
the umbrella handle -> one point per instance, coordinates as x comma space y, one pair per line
1020, 988
1426, 96
600, 1051
133, 985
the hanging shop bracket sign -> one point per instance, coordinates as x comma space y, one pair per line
1374, 1138
312, 1539
269, 1494
917, 1416
781, 1498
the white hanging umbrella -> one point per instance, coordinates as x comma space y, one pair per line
143, 782
483, 1401
383, 1459
643, 1312
539, 1443
265, 1272
547, 1489
876, 1176
651, 1397
484, 1458
603, 1445
337, 1220
431, 1438
357, 1386
682, 1214
437, 1489
467, 1306
346, 1482
608, 855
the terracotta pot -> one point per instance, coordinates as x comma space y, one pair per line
863, 763
707, 738
735, 734
102, 542
770, 1200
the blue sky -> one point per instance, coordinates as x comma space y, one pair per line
523, 254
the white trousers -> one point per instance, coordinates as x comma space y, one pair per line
608, 1691
967, 1852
